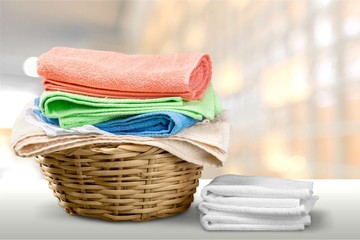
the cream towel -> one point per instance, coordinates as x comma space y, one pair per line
205, 143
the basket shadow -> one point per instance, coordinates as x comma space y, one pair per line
53, 211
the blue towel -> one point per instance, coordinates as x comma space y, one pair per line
153, 124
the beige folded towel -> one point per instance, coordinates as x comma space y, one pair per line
205, 143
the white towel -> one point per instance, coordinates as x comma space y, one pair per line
251, 203
297, 211
308, 203
229, 222
252, 186
229, 217
252, 227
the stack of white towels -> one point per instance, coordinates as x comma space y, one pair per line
250, 203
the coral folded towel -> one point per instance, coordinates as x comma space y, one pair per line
154, 124
74, 110
117, 75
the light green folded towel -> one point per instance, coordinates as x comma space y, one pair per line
74, 110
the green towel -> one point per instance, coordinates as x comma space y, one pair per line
74, 110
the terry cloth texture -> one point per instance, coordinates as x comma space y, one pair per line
74, 110
297, 211
117, 75
153, 124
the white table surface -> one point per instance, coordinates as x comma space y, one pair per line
29, 210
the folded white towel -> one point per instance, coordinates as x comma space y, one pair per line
211, 219
253, 202
298, 211
252, 186
250, 227
250, 203
262, 202
230, 217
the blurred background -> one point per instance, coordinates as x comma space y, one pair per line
288, 71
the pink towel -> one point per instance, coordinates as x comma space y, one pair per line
116, 75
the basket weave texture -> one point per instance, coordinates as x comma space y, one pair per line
120, 182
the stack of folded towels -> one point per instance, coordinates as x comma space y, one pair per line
109, 96
250, 203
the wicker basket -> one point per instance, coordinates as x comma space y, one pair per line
120, 182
